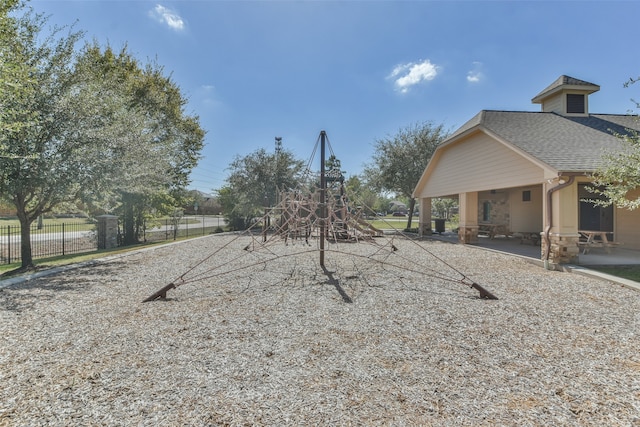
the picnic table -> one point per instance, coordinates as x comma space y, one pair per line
493, 230
595, 239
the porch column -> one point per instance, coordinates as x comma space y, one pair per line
425, 216
562, 209
468, 210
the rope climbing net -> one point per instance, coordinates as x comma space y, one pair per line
308, 216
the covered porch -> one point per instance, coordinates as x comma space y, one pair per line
552, 221
516, 246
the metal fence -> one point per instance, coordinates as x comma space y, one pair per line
190, 226
51, 240
46, 241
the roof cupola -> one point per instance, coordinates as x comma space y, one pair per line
567, 96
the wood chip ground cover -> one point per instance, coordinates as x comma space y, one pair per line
283, 342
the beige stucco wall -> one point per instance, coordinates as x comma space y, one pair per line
627, 226
526, 216
565, 209
507, 207
462, 167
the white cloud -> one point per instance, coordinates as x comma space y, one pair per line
475, 75
168, 17
208, 96
408, 75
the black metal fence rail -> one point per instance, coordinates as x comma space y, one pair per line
46, 241
51, 240
187, 227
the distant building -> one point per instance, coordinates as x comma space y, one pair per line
207, 205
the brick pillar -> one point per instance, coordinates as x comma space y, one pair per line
564, 248
107, 231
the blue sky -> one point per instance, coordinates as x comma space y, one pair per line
360, 70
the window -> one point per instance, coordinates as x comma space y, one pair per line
526, 196
575, 103
593, 217
486, 211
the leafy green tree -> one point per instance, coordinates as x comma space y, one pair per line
88, 127
619, 174
16, 83
42, 164
361, 195
255, 181
399, 160
443, 208
146, 143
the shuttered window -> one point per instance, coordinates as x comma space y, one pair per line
575, 103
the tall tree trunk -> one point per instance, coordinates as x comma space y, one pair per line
25, 239
412, 205
129, 237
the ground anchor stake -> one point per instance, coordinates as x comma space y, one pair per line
485, 294
162, 293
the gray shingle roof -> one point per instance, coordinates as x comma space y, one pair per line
565, 143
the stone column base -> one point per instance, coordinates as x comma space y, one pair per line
425, 229
468, 234
564, 248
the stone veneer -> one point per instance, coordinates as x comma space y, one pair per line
107, 231
468, 234
499, 210
425, 229
564, 248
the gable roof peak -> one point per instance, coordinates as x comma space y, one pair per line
562, 83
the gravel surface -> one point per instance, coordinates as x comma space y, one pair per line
266, 337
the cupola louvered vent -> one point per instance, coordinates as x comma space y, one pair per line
575, 103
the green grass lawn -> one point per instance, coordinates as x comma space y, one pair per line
44, 263
79, 224
396, 223
85, 224
631, 272
400, 223
12, 221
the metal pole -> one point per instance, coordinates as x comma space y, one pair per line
323, 196
264, 222
8, 244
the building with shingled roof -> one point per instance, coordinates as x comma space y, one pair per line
528, 173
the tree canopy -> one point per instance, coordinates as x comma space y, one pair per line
15, 81
89, 126
620, 173
145, 143
399, 160
255, 181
